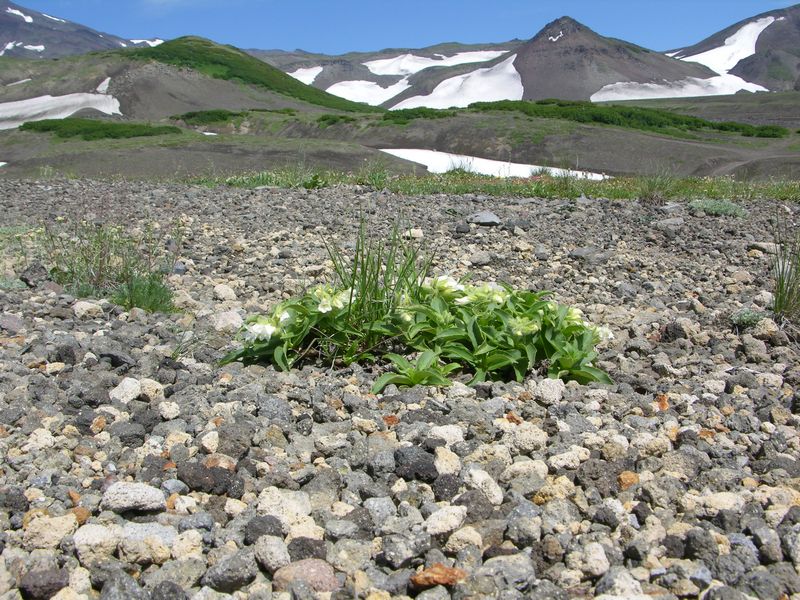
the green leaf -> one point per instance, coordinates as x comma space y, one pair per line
597, 375
400, 362
385, 380
279, 355
426, 359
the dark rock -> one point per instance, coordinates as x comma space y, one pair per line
121, 586
232, 572
198, 477
129, 434
34, 274
701, 546
43, 584
263, 525
478, 506
167, 590
301, 548
412, 462
400, 550
484, 218
446, 487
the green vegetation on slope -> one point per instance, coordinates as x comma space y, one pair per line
227, 62
207, 117
632, 117
90, 129
406, 115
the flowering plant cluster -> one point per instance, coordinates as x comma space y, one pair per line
487, 331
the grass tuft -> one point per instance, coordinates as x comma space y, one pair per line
718, 208
786, 270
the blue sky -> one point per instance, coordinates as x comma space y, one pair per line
337, 26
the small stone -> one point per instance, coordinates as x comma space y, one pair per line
550, 391
437, 574
224, 292
271, 553
96, 543
232, 572
287, 506
445, 520
484, 218
43, 584
43, 532
316, 573
169, 410
227, 322
123, 496
480, 480
128, 390
87, 310
627, 479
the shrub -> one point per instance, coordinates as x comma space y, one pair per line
718, 208
633, 117
104, 260
746, 318
90, 129
328, 120
406, 115
208, 117
382, 304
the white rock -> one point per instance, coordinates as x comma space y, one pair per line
95, 543
224, 292
151, 389
460, 539
550, 391
524, 468
147, 543
123, 496
451, 434
209, 442
39, 439
591, 560
287, 506
169, 410
446, 520
128, 389
47, 532
480, 480
524, 438
227, 322
446, 461
84, 309
234, 507
188, 544
571, 459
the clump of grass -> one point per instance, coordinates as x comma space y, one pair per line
292, 177
331, 119
656, 187
718, 208
786, 271
374, 174
91, 129
103, 260
208, 117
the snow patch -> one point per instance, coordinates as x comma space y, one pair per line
442, 162
103, 87
500, 82
672, 54
10, 46
151, 43
14, 114
34, 48
123, 44
20, 82
208, 133
408, 64
721, 85
54, 18
306, 75
14, 11
3, 164
720, 60
556, 38
736, 48
368, 92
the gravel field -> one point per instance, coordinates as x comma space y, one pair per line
134, 466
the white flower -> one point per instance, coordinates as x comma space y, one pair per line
260, 331
604, 334
444, 284
285, 316
324, 305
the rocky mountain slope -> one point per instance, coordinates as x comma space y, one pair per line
134, 466
775, 61
26, 33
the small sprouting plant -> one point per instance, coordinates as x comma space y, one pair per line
383, 305
746, 318
96, 259
786, 270
718, 208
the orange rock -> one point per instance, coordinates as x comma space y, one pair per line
438, 574
81, 513
627, 479
391, 420
706, 434
74, 496
662, 403
171, 501
514, 418
98, 424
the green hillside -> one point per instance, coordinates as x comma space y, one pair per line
227, 62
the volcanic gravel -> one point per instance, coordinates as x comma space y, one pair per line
134, 466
